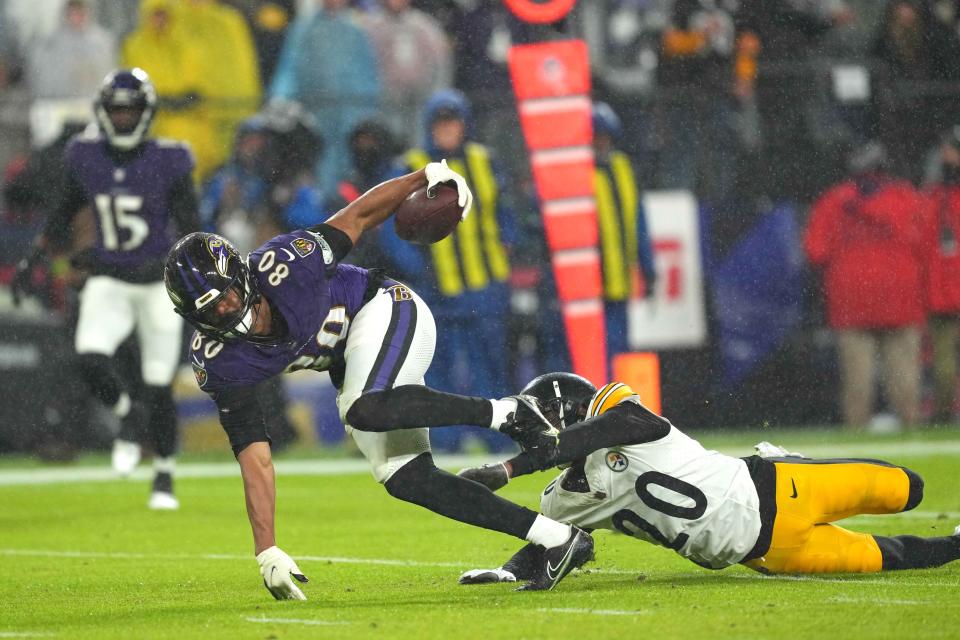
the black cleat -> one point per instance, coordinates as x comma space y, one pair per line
532, 430
524, 563
558, 561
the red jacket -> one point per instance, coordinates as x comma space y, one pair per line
943, 261
869, 241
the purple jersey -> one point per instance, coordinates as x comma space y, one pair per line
297, 272
130, 200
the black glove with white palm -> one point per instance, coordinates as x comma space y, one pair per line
277, 567
438, 172
529, 427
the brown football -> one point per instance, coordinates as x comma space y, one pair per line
425, 218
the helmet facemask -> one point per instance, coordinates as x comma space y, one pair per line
211, 287
129, 92
563, 411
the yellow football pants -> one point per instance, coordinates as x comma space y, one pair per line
812, 495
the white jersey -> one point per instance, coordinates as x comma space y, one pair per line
671, 492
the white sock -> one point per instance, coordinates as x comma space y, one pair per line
501, 411
122, 408
548, 533
164, 465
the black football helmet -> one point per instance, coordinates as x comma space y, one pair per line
563, 397
125, 89
201, 270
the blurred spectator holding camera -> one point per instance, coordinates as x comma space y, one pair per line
943, 275
267, 187
865, 234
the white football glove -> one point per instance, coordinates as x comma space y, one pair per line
486, 576
438, 172
768, 450
276, 567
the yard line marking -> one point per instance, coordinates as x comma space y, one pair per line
120, 555
594, 612
52, 475
393, 562
319, 623
25, 634
847, 599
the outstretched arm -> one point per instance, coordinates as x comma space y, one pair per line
256, 467
626, 424
242, 418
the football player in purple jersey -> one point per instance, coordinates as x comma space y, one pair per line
292, 304
142, 196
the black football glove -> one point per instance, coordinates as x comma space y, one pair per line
492, 476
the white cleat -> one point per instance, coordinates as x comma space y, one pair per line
126, 457
163, 501
956, 531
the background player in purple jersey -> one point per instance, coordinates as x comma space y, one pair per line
291, 305
142, 197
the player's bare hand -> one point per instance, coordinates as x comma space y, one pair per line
492, 476
277, 569
438, 172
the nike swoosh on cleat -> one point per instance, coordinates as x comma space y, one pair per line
794, 485
553, 573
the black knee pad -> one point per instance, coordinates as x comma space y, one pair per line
100, 375
407, 481
916, 489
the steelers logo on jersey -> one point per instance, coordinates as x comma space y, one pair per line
617, 461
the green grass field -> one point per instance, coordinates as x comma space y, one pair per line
85, 559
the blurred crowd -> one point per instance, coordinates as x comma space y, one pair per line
294, 108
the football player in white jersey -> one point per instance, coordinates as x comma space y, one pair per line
630, 470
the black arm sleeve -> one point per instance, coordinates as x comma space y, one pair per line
625, 424
57, 229
241, 416
183, 205
340, 243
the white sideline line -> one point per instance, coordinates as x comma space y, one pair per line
52, 475
849, 600
47, 475
319, 623
594, 612
120, 555
25, 634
